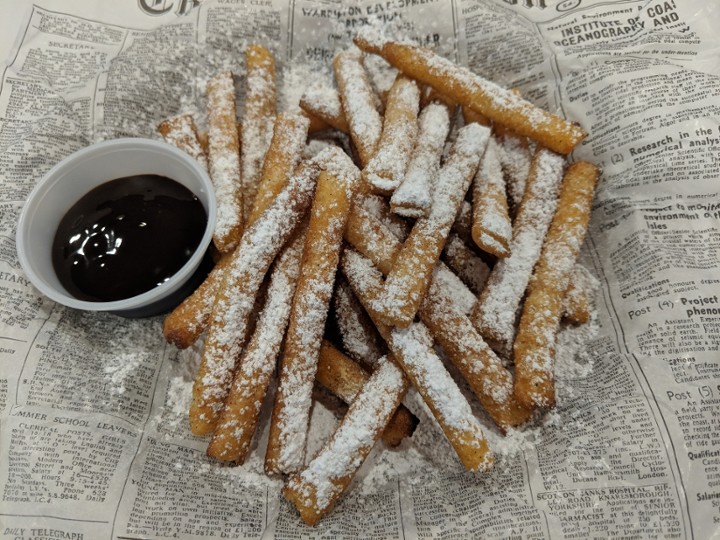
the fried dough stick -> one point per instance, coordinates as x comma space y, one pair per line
387, 166
316, 124
224, 160
515, 158
258, 117
495, 313
238, 420
470, 268
186, 322
235, 298
291, 412
357, 98
413, 197
412, 349
483, 96
357, 332
534, 346
491, 229
344, 378
444, 312
322, 101
579, 294
180, 131
410, 277
316, 489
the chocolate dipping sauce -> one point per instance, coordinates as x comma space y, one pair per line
126, 237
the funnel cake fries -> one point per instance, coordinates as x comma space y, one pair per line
358, 103
534, 347
408, 281
497, 308
387, 166
444, 310
414, 195
223, 155
357, 332
470, 268
316, 124
258, 118
322, 101
577, 299
184, 325
316, 489
180, 131
483, 96
515, 158
235, 299
491, 228
345, 379
291, 413
412, 349
236, 426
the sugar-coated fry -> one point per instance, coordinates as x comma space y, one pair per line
491, 219
317, 488
235, 299
180, 131
258, 118
515, 158
408, 281
186, 322
498, 305
224, 160
483, 96
387, 166
534, 348
470, 268
412, 349
375, 240
291, 412
316, 124
357, 332
379, 207
345, 379
322, 101
282, 156
414, 195
357, 98
578, 296
236, 425
490, 381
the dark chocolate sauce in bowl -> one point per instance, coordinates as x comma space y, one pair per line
126, 237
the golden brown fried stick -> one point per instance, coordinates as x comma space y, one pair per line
357, 332
387, 166
579, 294
238, 419
235, 299
413, 197
322, 101
470, 268
316, 124
224, 160
470, 116
534, 347
344, 378
515, 158
291, 412
357, 98
491, 230
258, 118
444, 311
412, 349
483, 96
185, 323
496, 311
316, 489
180, 131
408, 281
